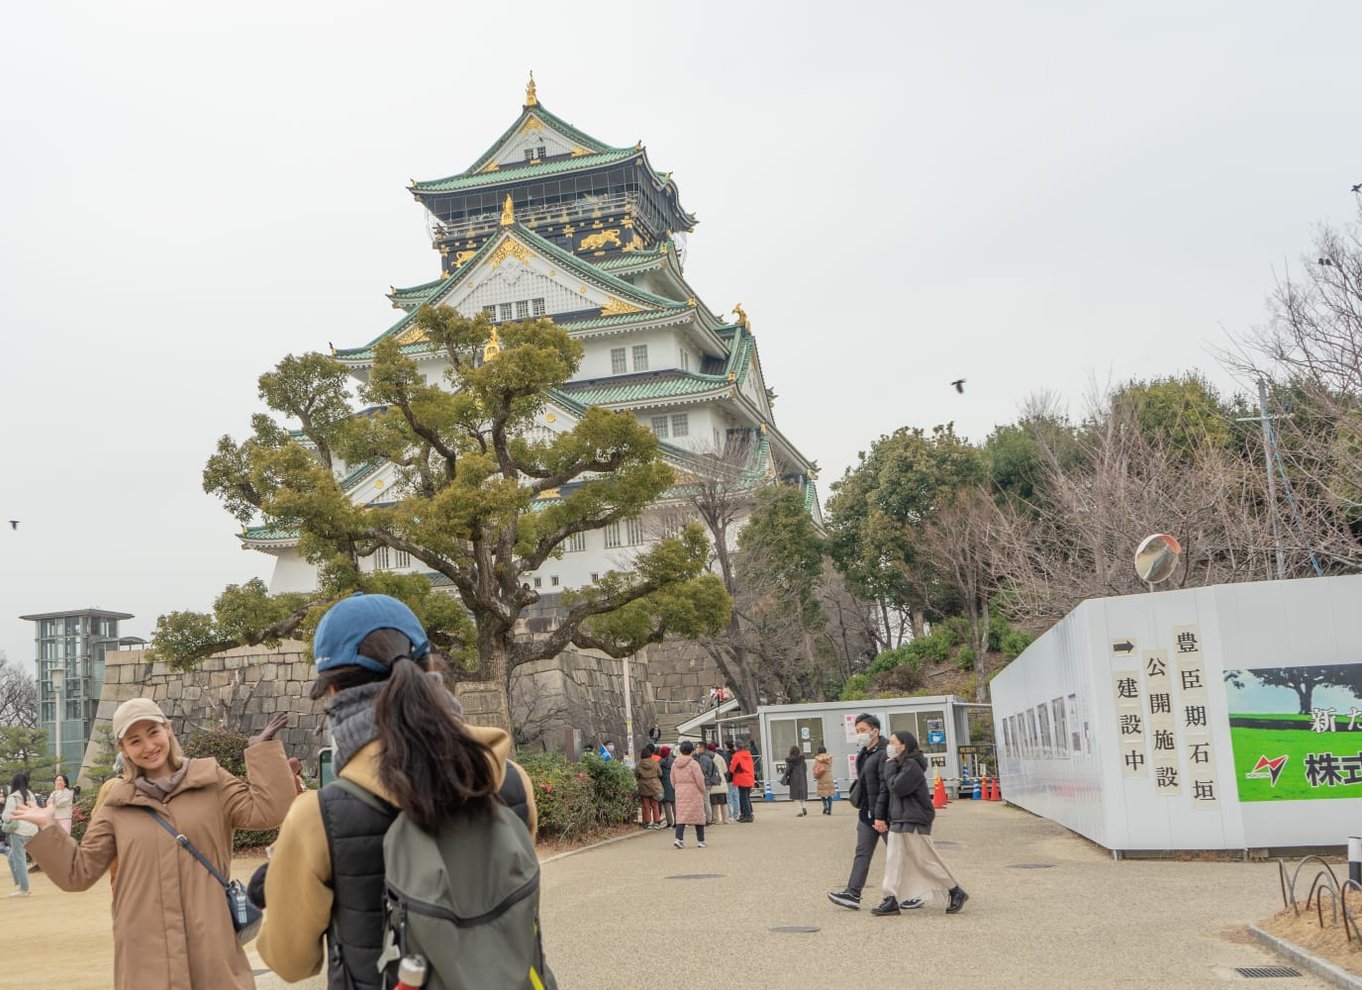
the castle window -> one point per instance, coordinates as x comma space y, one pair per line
537, 306
634, 531
681, 425
612, 536
660, 426
381, 559
490, 312
595, 577
554, 580
534, 154
505, 312
522, 310
685, 360
539, 582
618, 365
402, 559
640, 357
576, 543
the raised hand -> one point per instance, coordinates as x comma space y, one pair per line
267, 733
35, 815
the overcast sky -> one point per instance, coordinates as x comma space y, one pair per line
1028, 196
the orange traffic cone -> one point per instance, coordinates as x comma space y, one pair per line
939, 794
988, 788
997, 790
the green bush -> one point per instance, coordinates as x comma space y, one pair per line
935, 647
576, 799
856, 688
80, 814
229, 749
955, 629
1014, 642
964, 658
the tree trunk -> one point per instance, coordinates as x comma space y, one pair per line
981, 653
919, 615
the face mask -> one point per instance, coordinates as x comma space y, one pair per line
863, 739
893, 751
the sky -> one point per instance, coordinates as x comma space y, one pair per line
1032, 197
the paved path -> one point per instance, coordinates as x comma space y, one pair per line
1086, 921
613, 919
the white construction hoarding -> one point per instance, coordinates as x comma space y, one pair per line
1210, 718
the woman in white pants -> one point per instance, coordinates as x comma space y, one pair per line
913, 868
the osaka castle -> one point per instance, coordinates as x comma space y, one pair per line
551, 222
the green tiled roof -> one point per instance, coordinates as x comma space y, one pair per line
604, 393
631, 259
581, 269
553, 120
414, 295
454, 183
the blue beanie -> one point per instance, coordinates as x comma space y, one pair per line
344, 626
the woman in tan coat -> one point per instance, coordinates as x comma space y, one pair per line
823, 777
170, 919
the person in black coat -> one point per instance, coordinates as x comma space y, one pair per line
796, 779
668, 791
913, 868
866, 794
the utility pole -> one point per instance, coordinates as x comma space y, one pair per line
1269, 456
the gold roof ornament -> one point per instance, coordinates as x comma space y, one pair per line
492, 348
531, 98
741, 314
507, 212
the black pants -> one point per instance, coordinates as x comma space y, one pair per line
699, 832
744, 802
866, 840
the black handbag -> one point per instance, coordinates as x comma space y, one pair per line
854, 794
246, 917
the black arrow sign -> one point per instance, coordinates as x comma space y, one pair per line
1123, 647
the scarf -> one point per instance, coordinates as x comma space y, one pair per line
159, 790
351, 715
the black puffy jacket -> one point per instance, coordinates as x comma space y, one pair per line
909, 797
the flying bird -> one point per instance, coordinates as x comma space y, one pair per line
959, 384
1358, 187
14, 524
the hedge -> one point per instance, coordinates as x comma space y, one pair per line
576, 799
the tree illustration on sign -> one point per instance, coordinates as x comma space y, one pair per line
1304, 680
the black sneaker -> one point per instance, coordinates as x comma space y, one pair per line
958, 899
889, 905
846, 899
911, 905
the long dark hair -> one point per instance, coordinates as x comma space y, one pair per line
430, 764
19, 785
908, 741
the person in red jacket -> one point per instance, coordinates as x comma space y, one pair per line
744, 778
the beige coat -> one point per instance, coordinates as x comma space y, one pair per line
170, 922
826, 783
298, 894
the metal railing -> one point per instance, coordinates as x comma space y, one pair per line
473, 228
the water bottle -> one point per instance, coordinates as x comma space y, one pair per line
411, 973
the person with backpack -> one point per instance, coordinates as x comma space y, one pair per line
173, 928
18, 832
709, 772
668, 791
692, 796
718, 787
795, 780
424, 842
824, 778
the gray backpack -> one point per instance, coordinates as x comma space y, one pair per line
466, 898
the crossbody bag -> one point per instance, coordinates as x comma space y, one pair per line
246, 917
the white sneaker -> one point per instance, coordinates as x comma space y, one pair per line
19, 893
702, 845
678, 843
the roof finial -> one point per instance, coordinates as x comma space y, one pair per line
741, 314
531, 100
507, 212
492, 348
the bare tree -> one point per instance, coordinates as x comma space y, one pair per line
18, 695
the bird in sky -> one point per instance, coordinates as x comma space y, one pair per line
959, 384
14, 524
1358, 187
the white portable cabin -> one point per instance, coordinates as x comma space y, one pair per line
940, 723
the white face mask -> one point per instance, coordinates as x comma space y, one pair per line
863, 739
893, 750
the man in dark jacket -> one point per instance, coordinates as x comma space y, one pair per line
707, 768
870, 831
